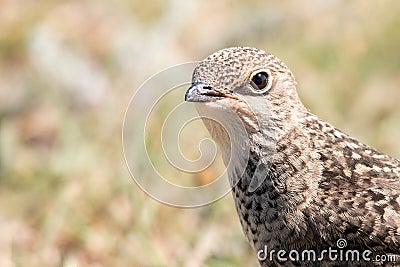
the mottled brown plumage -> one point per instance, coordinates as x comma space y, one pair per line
305, 184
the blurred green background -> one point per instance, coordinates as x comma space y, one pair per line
68, 70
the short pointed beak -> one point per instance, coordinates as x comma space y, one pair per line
200, 92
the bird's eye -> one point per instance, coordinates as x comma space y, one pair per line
260, 80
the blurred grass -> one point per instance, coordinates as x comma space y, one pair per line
68, 70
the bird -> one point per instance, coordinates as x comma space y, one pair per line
298, 183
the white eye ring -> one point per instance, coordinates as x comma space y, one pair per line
261, 81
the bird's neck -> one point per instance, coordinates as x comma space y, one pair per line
250, 137
263, 143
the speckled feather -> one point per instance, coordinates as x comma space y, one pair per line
321, 185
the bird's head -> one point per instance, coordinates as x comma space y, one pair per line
248, 101
252, 83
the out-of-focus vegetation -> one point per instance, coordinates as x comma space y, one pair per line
68, 70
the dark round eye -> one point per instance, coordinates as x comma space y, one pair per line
260, 80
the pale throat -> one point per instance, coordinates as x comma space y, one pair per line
251, 126
239, 134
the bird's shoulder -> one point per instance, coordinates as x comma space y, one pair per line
358, 186
345, 156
